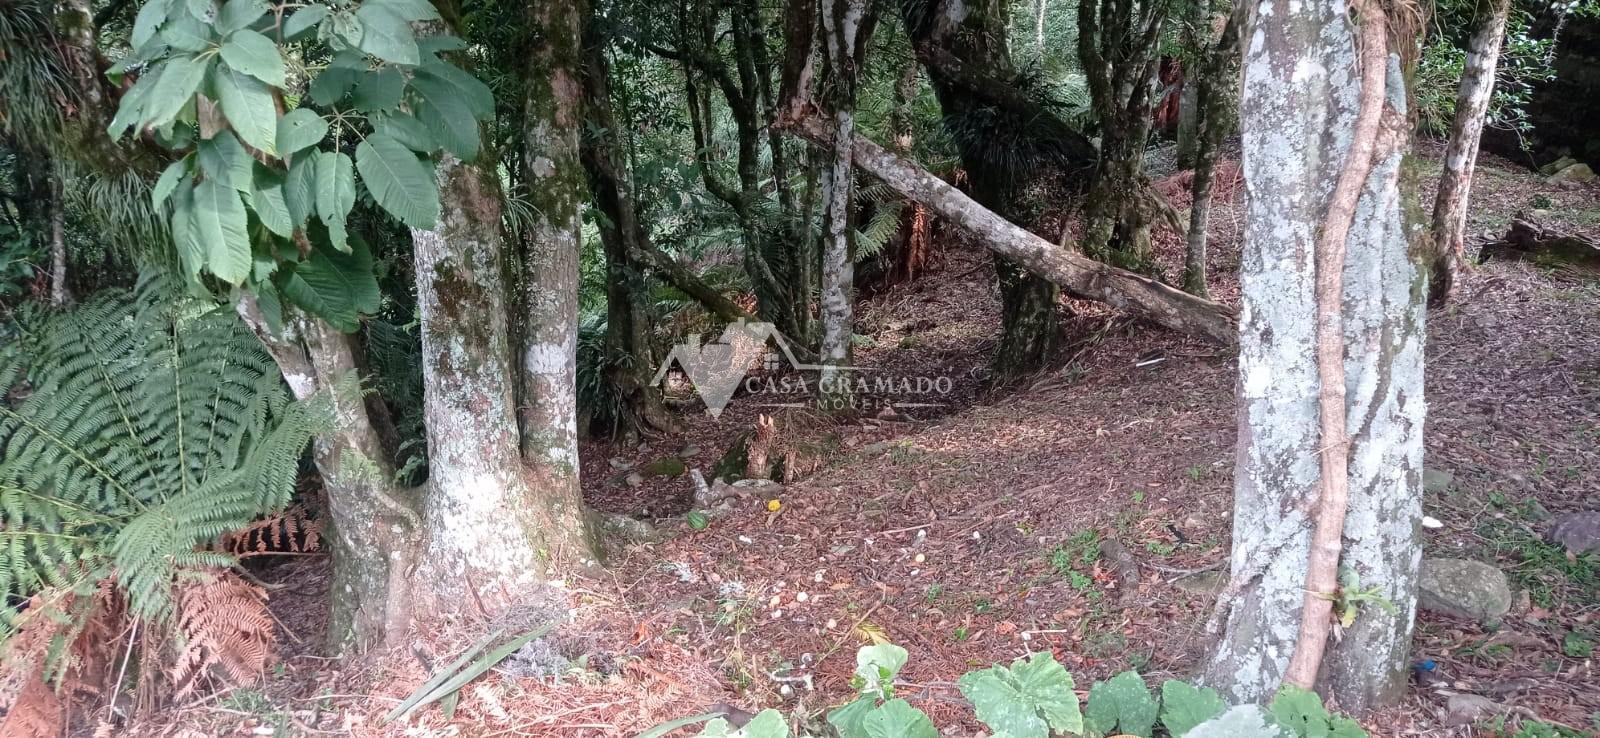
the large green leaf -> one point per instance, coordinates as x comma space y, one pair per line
300, 189
248, 106
298, 129
219, 224
1028, 700
1121, 703
336, 193
175, 172
224, 160
180, 78
130, 109
331, 84
255, 55
303, 20
877, 666
444, 110
1244, 721
237, 14
1184, 706
184, 32
379, 90
480, 99
386, 35
191, 252
407, 130
849, 720
411, 10
151, 15
1301, 712
336, 287
266, 197
898, 719
398, 181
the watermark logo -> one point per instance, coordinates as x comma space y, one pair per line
718, 369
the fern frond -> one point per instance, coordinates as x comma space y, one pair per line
224, 624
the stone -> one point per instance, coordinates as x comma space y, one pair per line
1203, 583
634, 479
689, 451
1557, 165
1434, 480
629, 528
764, 488
1462, 588
619, 463
1467, 709
1576, 173
1578, 532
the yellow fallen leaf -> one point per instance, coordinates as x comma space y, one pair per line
773, 505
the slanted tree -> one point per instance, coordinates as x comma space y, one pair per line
1318, 162
1461, 154
1117, 46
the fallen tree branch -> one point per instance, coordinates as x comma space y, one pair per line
1076, 274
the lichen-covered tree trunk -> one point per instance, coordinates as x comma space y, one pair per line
59, 293
494, 526
1212, 82
971, 37
842, 36
1461, 155
1298, 109
375, 525
630, 357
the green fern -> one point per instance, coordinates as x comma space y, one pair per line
149, 425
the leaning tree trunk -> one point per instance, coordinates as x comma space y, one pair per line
1078, 275
1460, 157
629, 355
1212, 83
1297, 128
375, 526
59, 293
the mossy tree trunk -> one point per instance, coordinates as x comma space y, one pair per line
1213, 82
1118, 44
961, 57
630, 357
1301, 85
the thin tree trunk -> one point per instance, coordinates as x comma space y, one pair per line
59, 293
1460, 157
841, 26
1291, 186
376, 530
1038, 27
1078, 275
1211, 82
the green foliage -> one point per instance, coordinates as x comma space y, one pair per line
1526, 60
150, 426
1034, 698
1121, 704
265, 198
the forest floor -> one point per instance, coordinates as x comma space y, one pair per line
971, 532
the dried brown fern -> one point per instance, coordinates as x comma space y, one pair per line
291, 530
23, 655
225, 627
37, 713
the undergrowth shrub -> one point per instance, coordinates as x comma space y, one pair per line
1034, 697
137, 430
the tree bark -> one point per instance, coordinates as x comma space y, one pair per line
375, 536
630, 357
1298, 127
1080, 276
842, 34
1461, 155
60, 295
1211, 82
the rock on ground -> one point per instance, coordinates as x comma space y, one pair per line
1579, 532
1464, 589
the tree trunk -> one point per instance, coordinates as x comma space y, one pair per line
1080, 276
1117, 45
1455, 184
494, 526
1211, 81
375, 536
1290, 186
60, 295
630, 359
842, 36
